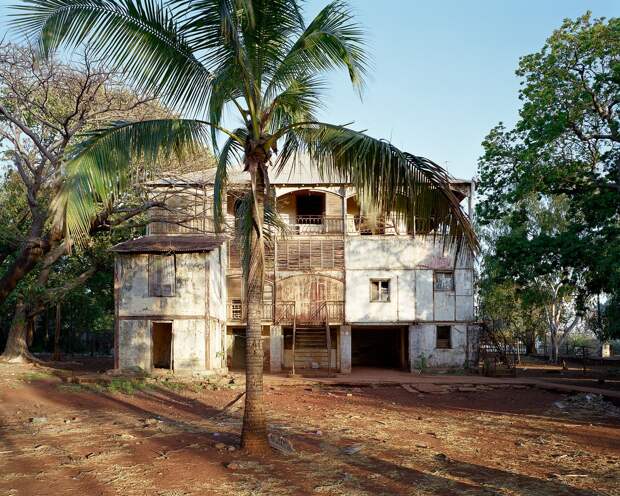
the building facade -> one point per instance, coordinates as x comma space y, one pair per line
344, 288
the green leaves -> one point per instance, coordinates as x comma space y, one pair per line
413, 187
256, 58
139, 37
332, 40
98, 170
564, 149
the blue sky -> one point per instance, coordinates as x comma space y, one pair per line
443, 70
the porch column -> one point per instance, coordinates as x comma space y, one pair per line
345, 349
414, 346
276, 348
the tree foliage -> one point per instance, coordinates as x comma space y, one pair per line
565, 148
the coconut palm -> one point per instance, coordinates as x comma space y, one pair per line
258, 59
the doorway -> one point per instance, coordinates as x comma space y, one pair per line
382, 347
162, 345
238, 348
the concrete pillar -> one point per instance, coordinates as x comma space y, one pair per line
345, 349
276, 348
414, 346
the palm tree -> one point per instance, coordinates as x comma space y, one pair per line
256, 58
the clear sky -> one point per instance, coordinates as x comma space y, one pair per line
443, 70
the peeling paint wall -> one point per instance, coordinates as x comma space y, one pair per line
189, 344
189, 296
410, 265
197, 311
135, 344
422, 340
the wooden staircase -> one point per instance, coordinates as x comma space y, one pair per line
311, 347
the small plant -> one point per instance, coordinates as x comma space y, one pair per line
421, 362
126, 386
175, 386
35, 376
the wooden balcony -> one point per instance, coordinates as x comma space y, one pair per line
287, 312
236, 312
314, 224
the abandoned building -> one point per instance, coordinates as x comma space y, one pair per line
344, 288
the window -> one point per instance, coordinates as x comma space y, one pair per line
379, 290
444, 337
162, 275
444, 281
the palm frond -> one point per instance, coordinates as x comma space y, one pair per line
274, 227
100, 168
332, 40
413, 187
297, 103
139, 37
230, 154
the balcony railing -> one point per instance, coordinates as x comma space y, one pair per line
236, 311
312, 312
315, 224
288, 311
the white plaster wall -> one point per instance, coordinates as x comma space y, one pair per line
424, 294
134, 344
432, 252
190, 291
380, 252
412, 260
189, 344
216, 338
443, 303
359, 308
422, 340
217, 283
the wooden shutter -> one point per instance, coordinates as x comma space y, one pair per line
162, 275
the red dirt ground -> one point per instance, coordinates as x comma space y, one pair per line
63, 439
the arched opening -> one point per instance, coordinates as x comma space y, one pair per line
309, 211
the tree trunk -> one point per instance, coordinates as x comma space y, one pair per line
56, 357
554, 352
254, 431
16, 350
530, 347
26, 258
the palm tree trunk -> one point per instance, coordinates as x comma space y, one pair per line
16, 350
254, 432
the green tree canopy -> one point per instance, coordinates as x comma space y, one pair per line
565, 147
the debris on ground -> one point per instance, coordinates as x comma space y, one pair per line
587, 404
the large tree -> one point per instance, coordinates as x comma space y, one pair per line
258, 59
564, 147
45, 108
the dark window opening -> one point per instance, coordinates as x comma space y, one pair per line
310, 205
162, 275
444, 281
380, 290
162, 345
444, 337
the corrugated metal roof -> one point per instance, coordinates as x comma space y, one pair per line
182, 243
302, 171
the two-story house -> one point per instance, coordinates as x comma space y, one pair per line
345, 287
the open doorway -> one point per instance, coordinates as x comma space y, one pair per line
238, 348
162, 345
383, 347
